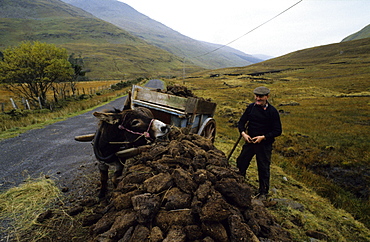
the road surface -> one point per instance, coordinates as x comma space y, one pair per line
52, 151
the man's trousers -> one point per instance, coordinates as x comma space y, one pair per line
263, 156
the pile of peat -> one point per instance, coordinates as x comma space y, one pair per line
183, 189
181, 91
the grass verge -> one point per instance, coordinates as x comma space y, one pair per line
20, 207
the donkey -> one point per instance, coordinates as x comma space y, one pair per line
122, 130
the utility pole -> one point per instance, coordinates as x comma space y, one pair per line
183, 71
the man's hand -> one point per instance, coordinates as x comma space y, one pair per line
247, 137
257, 139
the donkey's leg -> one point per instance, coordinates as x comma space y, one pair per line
103, 168
118, 172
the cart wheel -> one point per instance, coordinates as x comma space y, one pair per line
208, 129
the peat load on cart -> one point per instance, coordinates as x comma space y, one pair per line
179, 107
183, 189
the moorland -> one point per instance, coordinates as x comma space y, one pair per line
323, 95
321, 160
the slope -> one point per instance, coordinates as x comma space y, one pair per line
323, 96
362, 34
108, 51
127, 18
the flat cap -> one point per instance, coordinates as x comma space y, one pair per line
261, 91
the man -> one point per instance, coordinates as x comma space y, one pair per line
259, 125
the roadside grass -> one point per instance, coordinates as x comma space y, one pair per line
20, 207
11, 127
22, 120
84, 87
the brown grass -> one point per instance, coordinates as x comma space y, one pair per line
86, 87
328, 129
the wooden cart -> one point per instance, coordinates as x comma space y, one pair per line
193, 113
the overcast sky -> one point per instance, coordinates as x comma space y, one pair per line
309, 23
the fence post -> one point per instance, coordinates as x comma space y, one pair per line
39, 102
28, 105
13, 103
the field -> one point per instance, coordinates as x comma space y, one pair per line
322, 159
324, 106
88, 95
88, 87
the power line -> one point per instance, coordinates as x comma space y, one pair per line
207, 53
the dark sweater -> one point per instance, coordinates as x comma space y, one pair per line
261, 122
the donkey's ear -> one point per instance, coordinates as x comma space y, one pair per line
111, 118
127, 104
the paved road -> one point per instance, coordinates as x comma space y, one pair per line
52, 150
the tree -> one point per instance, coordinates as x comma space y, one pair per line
77, 65
31, 69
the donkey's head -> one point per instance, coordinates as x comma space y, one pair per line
134, 126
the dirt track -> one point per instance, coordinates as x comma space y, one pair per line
52, 150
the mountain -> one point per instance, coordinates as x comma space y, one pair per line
198, 52
107, 50
263, 57
362, 34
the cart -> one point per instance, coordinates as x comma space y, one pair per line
193, 113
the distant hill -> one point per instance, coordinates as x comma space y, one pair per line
108, 51
347, 54
362, 34
263, 57
127, 18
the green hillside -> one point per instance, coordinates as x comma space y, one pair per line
362, 34
28, 9
346, 63
108, 51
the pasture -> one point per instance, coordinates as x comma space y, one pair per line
325, 116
